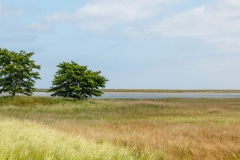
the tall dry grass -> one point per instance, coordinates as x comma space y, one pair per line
22, 140
149, 129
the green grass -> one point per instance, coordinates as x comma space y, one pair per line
119, 128
28, 101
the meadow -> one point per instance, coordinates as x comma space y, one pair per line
53, 128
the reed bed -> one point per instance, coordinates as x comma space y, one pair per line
140, 129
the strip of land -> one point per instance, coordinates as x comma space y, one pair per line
162, 90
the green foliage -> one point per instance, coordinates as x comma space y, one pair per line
16, 72
75, 81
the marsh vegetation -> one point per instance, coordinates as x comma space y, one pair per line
42, 127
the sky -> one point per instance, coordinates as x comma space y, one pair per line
136, 44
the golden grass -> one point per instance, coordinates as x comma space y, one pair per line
148, 129
28, 140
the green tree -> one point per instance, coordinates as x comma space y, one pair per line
75, 81
17, 73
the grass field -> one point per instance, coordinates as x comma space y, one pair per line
49, 128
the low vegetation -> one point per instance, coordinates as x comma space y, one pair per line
41, 128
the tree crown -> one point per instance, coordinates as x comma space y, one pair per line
17, 73
75, 81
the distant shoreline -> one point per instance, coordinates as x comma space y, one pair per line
163, 90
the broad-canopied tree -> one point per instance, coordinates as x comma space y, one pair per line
17, 72
75, 81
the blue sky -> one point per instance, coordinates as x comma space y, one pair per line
149, 44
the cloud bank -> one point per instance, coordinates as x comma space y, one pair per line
216, 23
102, 15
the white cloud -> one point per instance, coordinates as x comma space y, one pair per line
130, 32
1, 6
58, 17
227, 44
200, 22
101, 15
9, 11
136, 32
216, 23
229, 3
40, 27
217, 19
